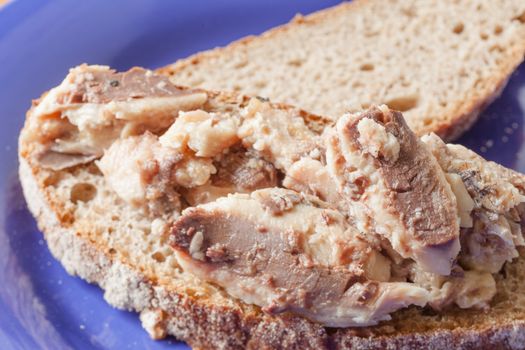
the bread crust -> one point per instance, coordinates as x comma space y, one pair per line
449, 127
505, 336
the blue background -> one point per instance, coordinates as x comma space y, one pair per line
40, 305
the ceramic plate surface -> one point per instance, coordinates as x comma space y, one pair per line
41, 306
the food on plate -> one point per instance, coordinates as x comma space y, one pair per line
229, 221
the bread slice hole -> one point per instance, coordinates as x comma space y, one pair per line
409, 11
498, 29
483, 36
296, 62
496, 48
521, 18
366, 67
241, 64
403, 104
458, 28
83, 192
261, 84
93, 169
158, 256
52, 179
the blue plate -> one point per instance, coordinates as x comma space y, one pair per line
40, 305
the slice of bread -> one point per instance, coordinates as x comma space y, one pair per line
439, 62
104, 240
